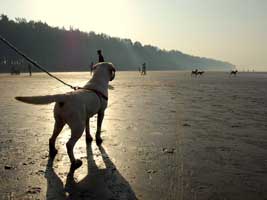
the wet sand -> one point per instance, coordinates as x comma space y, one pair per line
222, 124
166, 135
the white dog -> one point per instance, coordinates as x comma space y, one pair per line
75, 109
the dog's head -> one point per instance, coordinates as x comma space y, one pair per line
108, 66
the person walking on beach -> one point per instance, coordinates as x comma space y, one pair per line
100, 56
143, 69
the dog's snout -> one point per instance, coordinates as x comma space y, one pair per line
113, 71
112, 74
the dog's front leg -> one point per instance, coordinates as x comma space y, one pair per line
87, 131
100, 117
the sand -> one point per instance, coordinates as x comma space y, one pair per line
166, 135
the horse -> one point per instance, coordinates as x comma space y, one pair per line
200, 73
197, 72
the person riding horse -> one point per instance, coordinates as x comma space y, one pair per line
194, 72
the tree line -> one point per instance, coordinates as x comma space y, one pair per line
58, 49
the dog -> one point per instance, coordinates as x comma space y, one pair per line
77, 107
233, 72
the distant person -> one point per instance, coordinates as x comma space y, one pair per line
100, 56
144, 69
91, 67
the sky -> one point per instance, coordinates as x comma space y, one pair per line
228, 30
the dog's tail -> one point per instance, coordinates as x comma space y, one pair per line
39, 100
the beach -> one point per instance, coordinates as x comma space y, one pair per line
167, 135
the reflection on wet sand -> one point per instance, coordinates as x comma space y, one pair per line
138, 107
99, 183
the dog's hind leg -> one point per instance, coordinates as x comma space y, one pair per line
59, 124
76, 133
88, 137
100, 117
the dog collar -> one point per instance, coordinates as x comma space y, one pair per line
99, 94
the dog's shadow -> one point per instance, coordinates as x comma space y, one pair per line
99, 184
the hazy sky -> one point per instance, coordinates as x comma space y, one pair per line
230, 30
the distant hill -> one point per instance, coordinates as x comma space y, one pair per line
58, 49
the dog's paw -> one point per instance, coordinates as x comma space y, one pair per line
76, 164
99, 141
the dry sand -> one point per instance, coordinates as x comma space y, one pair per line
166, 136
